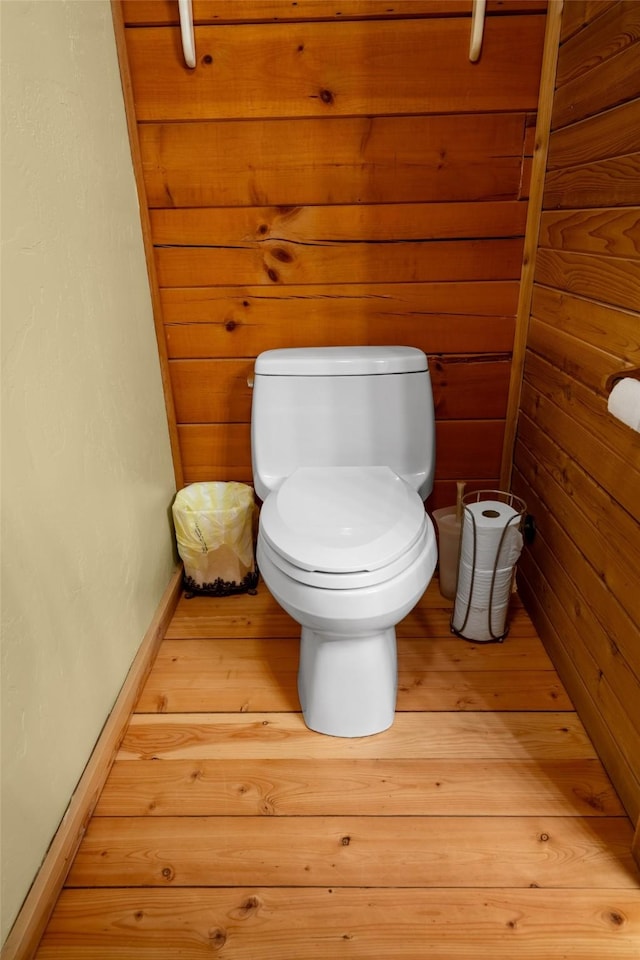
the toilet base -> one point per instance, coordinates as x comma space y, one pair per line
348, 685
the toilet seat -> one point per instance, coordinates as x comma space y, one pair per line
343, 527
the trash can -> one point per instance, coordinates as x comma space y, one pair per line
449, 525
214, 532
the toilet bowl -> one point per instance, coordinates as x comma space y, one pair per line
347, 552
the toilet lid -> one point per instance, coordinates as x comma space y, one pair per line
342, 519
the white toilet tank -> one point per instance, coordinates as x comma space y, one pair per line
342, 406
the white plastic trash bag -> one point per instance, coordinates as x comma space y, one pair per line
214, 531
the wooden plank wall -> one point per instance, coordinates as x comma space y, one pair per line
576, 466
336, 174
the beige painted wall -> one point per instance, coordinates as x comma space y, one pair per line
86, 471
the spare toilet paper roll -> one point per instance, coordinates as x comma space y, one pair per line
480, 612
624, 402
490, 535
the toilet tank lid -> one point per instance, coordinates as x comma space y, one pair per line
340, 361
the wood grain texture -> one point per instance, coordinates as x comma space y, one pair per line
316, 150
576, 465
611, 280
217, 391
325, 69
590, 365
608, 30
258, 922
468, 734
538, 164
188, 679
579, 13
609, 82
600, 325
613, 133
125, 78
156, 12
606, 677
295, 162
223, 451
574, 416
612, 183
327, 224
609, 232
343, 851
358, 788
610, 632
230, 322
599, 513
281, 262
208, 617
614, 748
246, 833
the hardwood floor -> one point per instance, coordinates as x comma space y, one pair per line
481, 825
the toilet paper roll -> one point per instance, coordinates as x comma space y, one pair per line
490, 535
624, 402
482, 601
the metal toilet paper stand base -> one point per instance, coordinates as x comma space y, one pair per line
518, 520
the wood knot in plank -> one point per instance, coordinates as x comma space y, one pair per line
597, 801
247, 908
217, 938
279, 253
250, 905
617, 919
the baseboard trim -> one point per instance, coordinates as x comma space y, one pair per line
30, 924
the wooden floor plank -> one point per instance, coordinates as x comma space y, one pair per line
198, 675
463, 734
359, 787
260, 616
256, 923
425, 690
481, 824
520, 653
246, 691
356, 851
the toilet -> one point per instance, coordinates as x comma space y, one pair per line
343, 453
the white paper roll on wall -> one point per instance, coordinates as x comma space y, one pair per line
624, 402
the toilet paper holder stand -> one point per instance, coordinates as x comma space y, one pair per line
526, 524
612, 379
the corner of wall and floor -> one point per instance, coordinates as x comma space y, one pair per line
87, 478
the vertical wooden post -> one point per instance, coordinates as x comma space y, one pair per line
635, 846
532, 230
127, 90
